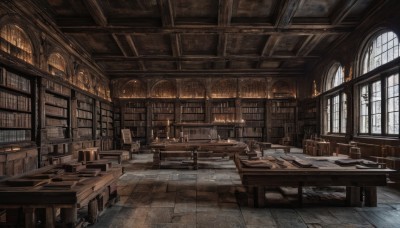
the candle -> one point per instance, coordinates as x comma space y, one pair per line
181, 134
167, 122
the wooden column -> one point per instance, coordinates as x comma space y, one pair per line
371, 198
353, 196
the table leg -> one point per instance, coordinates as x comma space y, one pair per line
30, 219
50, 217
300, 195
69, 215
120, 159
353, 195
260, 191
93, 211
250, 196
371, 196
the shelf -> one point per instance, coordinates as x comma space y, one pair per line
20, 92
56, 116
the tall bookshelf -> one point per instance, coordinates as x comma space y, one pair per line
107, 131
308, 118
56, 102
84, 116
117, 126
135, 118
15, 108
282, 118
193, 112
223, 113
253, 114
163, 115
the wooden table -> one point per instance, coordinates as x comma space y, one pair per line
112, 154
67, 191
286, 149
355, 180
264, 145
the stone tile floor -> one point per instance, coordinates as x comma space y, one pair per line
214, 197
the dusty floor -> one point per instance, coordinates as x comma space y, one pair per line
214, 197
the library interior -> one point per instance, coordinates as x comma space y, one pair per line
199, 113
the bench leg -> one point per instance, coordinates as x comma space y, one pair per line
260, 191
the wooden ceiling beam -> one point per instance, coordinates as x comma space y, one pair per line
111, 58
309, 44
286, 11
167, 15
176, 49
121, 48
96, 12
343, 9
209, 73
132, 45
262, 30
269, 46
225, 12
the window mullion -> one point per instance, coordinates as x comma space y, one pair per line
383, 106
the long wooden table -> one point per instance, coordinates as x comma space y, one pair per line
195, 149
355, 180
48, 189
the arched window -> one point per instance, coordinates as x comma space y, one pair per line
380, 50
379, 93
57, 65
336, 102
14, 41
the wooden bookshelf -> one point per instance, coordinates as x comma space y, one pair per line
107, 131
163, 115
15, 108
56, 99
117, 126
253, 115
282, 120
135, 118
308, 119
84, 116
193, 112
224, 111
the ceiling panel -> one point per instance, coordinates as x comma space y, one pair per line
316, 8
160, 65
245, 44
131, 8
152, 44
98, 43
199, 44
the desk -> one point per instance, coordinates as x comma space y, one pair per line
50, 188
118, 154
286, 149
256, 179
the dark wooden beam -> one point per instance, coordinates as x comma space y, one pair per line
248, 29
340, 13
96, 12
112, 58
225, 12
121, 48
176, 49
222, 42
167, 15
209, 73
134, 50
309, 44
286, 11
269, 46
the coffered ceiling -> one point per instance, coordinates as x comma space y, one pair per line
207, 37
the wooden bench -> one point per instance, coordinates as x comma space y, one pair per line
159, 156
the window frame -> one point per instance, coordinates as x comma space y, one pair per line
328, 129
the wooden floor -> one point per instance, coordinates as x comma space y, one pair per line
214, 197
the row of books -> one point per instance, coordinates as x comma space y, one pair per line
222, 110
163, 105
136, 123
56, 133
84, 132
163, 110
15, 81
106, 106
193, 105
253, 116
55, 87
84, 114
193, 110
106, 112
193, 117
163, 117
15, 102
252, 123
7, 136
135, 105
56, 111
53, 100
56, 122
15, 120
252, 104
224, 105
135, 116
252, 110
135, 110
85, 123
84, 98
85, 106
252, 132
